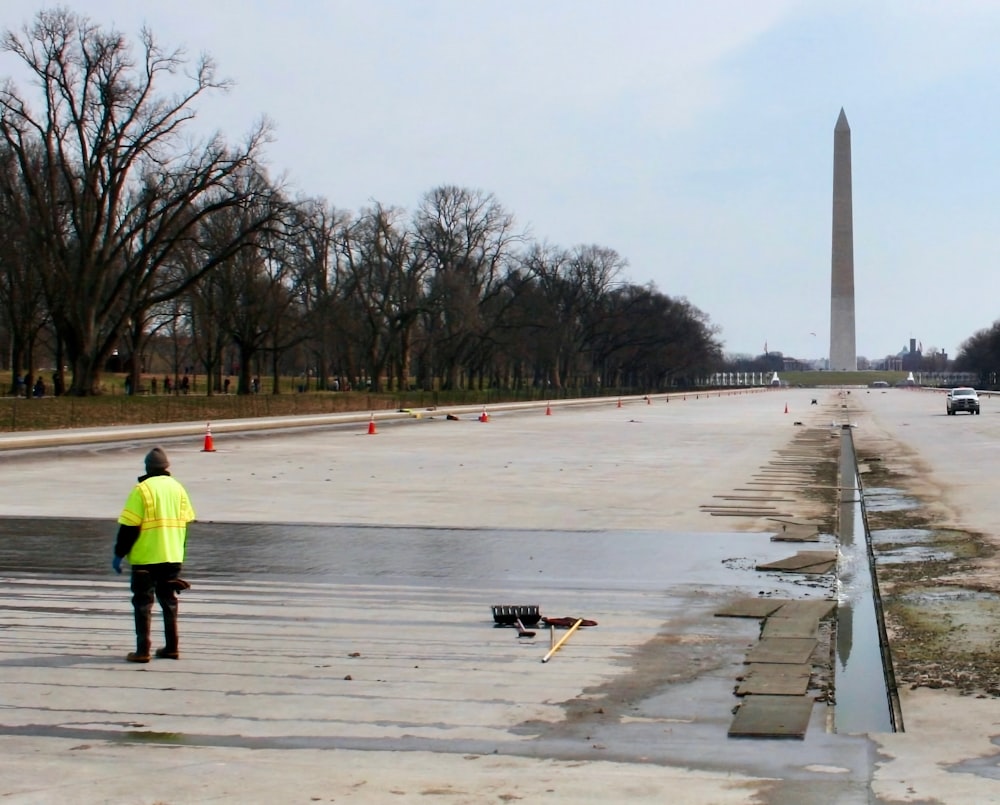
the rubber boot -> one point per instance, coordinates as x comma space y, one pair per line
170, 651
142, 623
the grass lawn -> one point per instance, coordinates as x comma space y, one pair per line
114, 407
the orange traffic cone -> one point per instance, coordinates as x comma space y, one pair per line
548, 410
619, 402
484, 417
371, 425
209, 444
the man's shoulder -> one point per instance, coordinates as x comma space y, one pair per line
164, 480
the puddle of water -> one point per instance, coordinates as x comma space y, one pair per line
887, 499
969, 615
901, 536
903, 556
277, 552
175, 738
944, 595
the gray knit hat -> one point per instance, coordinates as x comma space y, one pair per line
156, 459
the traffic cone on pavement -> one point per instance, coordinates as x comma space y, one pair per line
209, 444
371, 425
484, 417
786, 408
548, 409
619, 402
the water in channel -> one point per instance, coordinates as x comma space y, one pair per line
862, 685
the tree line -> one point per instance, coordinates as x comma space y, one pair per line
120, 229
980, 353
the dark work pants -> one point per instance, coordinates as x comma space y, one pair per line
149, 581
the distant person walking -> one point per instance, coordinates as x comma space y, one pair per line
152, 534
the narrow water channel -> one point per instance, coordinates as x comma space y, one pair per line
863, 687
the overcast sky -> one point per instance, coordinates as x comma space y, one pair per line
694, 138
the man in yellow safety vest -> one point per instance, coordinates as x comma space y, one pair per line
152, 534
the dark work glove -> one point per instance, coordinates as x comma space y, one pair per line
116, 563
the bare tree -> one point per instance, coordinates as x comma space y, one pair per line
314, 253
467, 238
108, 179
383, 282
21, 293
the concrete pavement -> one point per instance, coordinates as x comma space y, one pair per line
346, 652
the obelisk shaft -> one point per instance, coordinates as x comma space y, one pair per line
843, 350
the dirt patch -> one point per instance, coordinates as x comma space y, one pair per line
943, 628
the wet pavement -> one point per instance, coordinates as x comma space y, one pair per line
338, 643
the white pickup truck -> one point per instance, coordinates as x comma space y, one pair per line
962, 398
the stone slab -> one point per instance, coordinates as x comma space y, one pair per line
762, 716
801, 561
775, 679
799, 626
751, 608
817, 608
797, 533
790, 650
795, 537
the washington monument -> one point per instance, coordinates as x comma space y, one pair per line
843, 351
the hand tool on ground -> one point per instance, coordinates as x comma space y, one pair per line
521, 631
508, 614
565, 623
565, 637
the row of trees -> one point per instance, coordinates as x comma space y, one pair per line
117, 228
980, 353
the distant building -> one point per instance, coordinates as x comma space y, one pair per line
911, 360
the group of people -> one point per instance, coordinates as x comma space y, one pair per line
39, 389
183, 385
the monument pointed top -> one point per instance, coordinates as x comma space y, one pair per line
842, 124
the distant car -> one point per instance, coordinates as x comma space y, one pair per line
962, 398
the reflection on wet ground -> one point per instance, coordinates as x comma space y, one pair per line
317, 553
902, 556
885, 499
900, 536
949, 595
897, 546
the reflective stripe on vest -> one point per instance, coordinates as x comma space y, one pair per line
160, 506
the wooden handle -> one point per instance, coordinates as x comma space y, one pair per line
565, 637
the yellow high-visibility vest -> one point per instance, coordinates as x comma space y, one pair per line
160, 506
